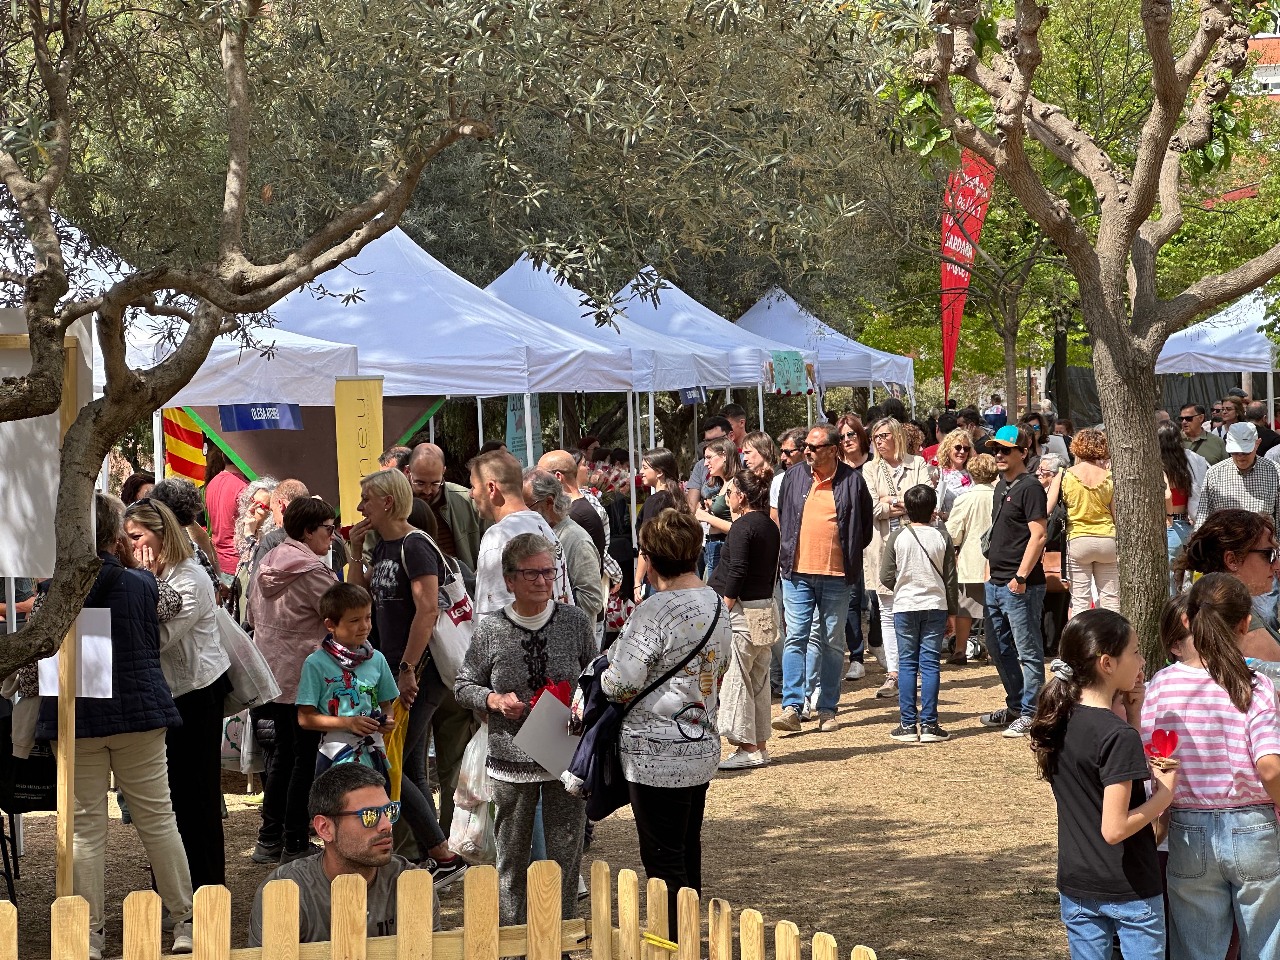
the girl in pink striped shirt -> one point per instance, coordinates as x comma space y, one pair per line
1224, 845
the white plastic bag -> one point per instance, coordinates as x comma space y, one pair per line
239, 745
474, 786
471, 834
252, 683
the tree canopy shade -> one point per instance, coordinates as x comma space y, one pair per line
1110, 207
235, 152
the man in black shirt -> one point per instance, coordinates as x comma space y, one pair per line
1256, 413
1015, 582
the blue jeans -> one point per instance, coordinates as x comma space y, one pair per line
711, 556
1176, 536
1224, 867
1091, 925
919, 650
853, 622
1015, 644
808, 597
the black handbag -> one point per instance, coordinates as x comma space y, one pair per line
597, 761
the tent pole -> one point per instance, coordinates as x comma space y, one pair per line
760, 402
653, 435
808, 408
560, 416
431, 427
528, 430
157, 443
632, 443
480, 420
728, 394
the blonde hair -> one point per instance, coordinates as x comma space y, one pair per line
175, 544
899, 437
391, 483
949, 443
982, 468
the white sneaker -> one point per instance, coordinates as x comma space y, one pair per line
856, 670
744, 760
582, 887
182, 942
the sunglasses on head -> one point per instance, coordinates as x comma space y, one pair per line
369, 816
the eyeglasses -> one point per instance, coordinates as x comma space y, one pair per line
815, 447
430, 484
880, 437
1217, 410
533, 576
848, 436
1035, 427
328, 528
1044, 473
1269, 553
790, 453
1189, 419
963, 449
369, 816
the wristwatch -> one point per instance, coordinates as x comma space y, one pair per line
404, 666
1022, 582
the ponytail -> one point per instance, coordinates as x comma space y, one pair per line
1216, 606
1085, 639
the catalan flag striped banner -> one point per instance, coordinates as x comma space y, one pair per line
183, 446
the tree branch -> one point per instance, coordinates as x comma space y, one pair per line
235, 27
1213, 291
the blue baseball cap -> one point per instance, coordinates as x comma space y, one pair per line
1005, 437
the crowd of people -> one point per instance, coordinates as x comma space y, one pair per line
767, 572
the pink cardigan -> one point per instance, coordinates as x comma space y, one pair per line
285, 611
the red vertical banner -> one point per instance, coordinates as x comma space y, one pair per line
963, 210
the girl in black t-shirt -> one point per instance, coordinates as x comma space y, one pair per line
1108, 875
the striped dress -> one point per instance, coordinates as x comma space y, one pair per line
1218, 746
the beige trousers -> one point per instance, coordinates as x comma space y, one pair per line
744, 695
1090, 561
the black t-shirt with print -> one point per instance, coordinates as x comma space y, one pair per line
1100, 750
1016, 505
389, 582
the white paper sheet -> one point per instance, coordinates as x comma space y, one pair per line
545, 735
93, 639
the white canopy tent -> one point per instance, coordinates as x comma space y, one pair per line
426, 330
300, 370
658, 362
1227, 342
844, 361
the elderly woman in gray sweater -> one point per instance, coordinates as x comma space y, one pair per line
532, 642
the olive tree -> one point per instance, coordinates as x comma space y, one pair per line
232, 151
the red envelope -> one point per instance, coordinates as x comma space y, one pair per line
562, 691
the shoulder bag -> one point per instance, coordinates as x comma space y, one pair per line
985, 542
252, 682
455, 625
595, 772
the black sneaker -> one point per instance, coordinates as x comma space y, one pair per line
310, 850
266, 852
932, 733
998, 718
444, 872
904, 733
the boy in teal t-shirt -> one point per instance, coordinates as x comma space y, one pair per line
347, 688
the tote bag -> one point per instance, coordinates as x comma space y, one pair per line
252, 682
454, 627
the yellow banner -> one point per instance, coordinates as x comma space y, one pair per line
357, 403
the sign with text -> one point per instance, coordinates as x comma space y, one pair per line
789, 374
260, 416
692, 395
357, 413
516, 428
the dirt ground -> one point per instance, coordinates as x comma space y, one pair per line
922, 852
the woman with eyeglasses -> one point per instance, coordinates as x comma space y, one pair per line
953, 461
1243, 544
855, 445
532, 642
891, 474
288, 628
195, 666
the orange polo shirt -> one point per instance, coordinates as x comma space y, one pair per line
819, 549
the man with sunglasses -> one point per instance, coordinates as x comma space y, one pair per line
1197, 439
824, 511
351, 813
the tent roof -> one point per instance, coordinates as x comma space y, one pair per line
679, 315
1227, 342
657, 362
845, 361
300, 371
426, 330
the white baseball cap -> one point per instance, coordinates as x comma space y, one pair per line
1242, 438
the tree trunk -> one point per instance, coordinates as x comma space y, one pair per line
1126, 386
1010, 374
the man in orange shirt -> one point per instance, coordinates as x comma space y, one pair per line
824, 511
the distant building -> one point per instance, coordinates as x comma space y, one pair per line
1266, 71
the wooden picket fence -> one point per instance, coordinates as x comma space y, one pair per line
544, 937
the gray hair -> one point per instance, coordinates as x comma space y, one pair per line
544, 486
109, 519
181, 496
523, 546
1051, 461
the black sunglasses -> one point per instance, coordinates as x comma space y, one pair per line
1269, 553
815, 447
1189, 419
